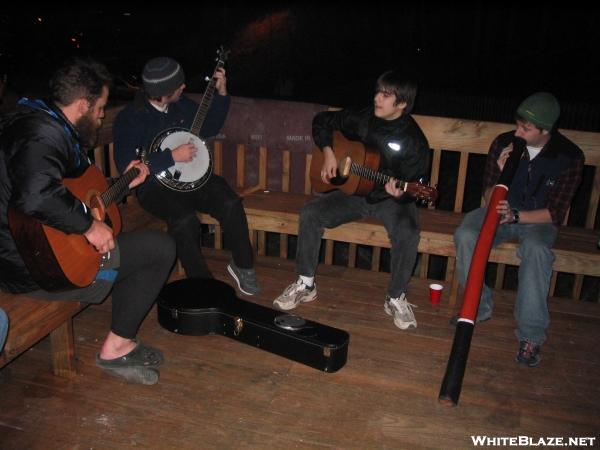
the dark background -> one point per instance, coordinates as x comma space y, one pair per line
471, 60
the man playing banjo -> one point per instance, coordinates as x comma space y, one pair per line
160, 119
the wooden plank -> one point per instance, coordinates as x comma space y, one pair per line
285, 187
375, 259
476, 136
63, 350
307, 186
277, 212
31, 320
218, 158
328, 252
460, 183
500, 271
352, 250
240, 178
262, 167
423, 265
594, 200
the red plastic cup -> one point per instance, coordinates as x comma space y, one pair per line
435, 293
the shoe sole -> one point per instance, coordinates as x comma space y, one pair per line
294, 306
405, 326
234, 276
525, 363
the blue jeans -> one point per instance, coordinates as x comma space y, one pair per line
3, 328
336, 208
535, 271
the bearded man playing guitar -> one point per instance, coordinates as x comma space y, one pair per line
42, 150
388, 130
169, 124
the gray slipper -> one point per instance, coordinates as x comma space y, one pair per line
134, 374
141, 356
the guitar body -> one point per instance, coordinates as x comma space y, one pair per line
343, 148
358, 171
56, 260
198, 307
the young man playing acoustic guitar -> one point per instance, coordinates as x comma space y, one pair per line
387, 128
42, 144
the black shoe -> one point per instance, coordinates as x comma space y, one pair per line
529, 353
454, 320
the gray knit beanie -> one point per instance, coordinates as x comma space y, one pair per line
162, 76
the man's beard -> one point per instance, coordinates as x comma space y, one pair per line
87, 128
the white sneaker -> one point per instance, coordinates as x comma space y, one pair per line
401, 310
295, 294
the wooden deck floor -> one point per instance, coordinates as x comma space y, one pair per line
216, 393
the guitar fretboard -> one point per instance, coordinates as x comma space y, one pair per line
119, 186
372, 175
205, 103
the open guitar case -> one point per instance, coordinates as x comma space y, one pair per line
198, 307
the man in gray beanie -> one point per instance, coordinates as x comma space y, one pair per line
162, 106
162, 76
538, 201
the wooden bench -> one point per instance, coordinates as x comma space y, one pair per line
31, 320
278, 211
268, 178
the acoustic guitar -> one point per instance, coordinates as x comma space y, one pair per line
59, 261
358, 171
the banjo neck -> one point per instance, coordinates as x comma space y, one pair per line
208, 95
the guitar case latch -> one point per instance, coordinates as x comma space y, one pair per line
238, 325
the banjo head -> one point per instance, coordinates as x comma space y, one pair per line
183, 176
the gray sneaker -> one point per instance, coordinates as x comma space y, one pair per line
295, 294
245, 279
401, 310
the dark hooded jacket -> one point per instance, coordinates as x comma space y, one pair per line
38, 148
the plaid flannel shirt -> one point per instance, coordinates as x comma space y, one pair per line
560, 196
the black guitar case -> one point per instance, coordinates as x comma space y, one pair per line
198, 306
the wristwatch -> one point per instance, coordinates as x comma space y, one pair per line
515, 213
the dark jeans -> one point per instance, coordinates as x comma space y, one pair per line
336, 208
146, 258
179, 210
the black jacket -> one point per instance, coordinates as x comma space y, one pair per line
38, 148
406, 159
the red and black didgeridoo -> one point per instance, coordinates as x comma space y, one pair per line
457, 362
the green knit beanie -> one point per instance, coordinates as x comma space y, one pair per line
541, 109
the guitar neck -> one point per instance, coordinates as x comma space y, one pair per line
205, 103
373, 175
118, 187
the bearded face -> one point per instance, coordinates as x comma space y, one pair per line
87, 127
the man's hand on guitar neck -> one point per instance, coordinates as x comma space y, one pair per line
100, 236
393, 189
330, 165
144, 172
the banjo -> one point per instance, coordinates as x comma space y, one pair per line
189, 176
